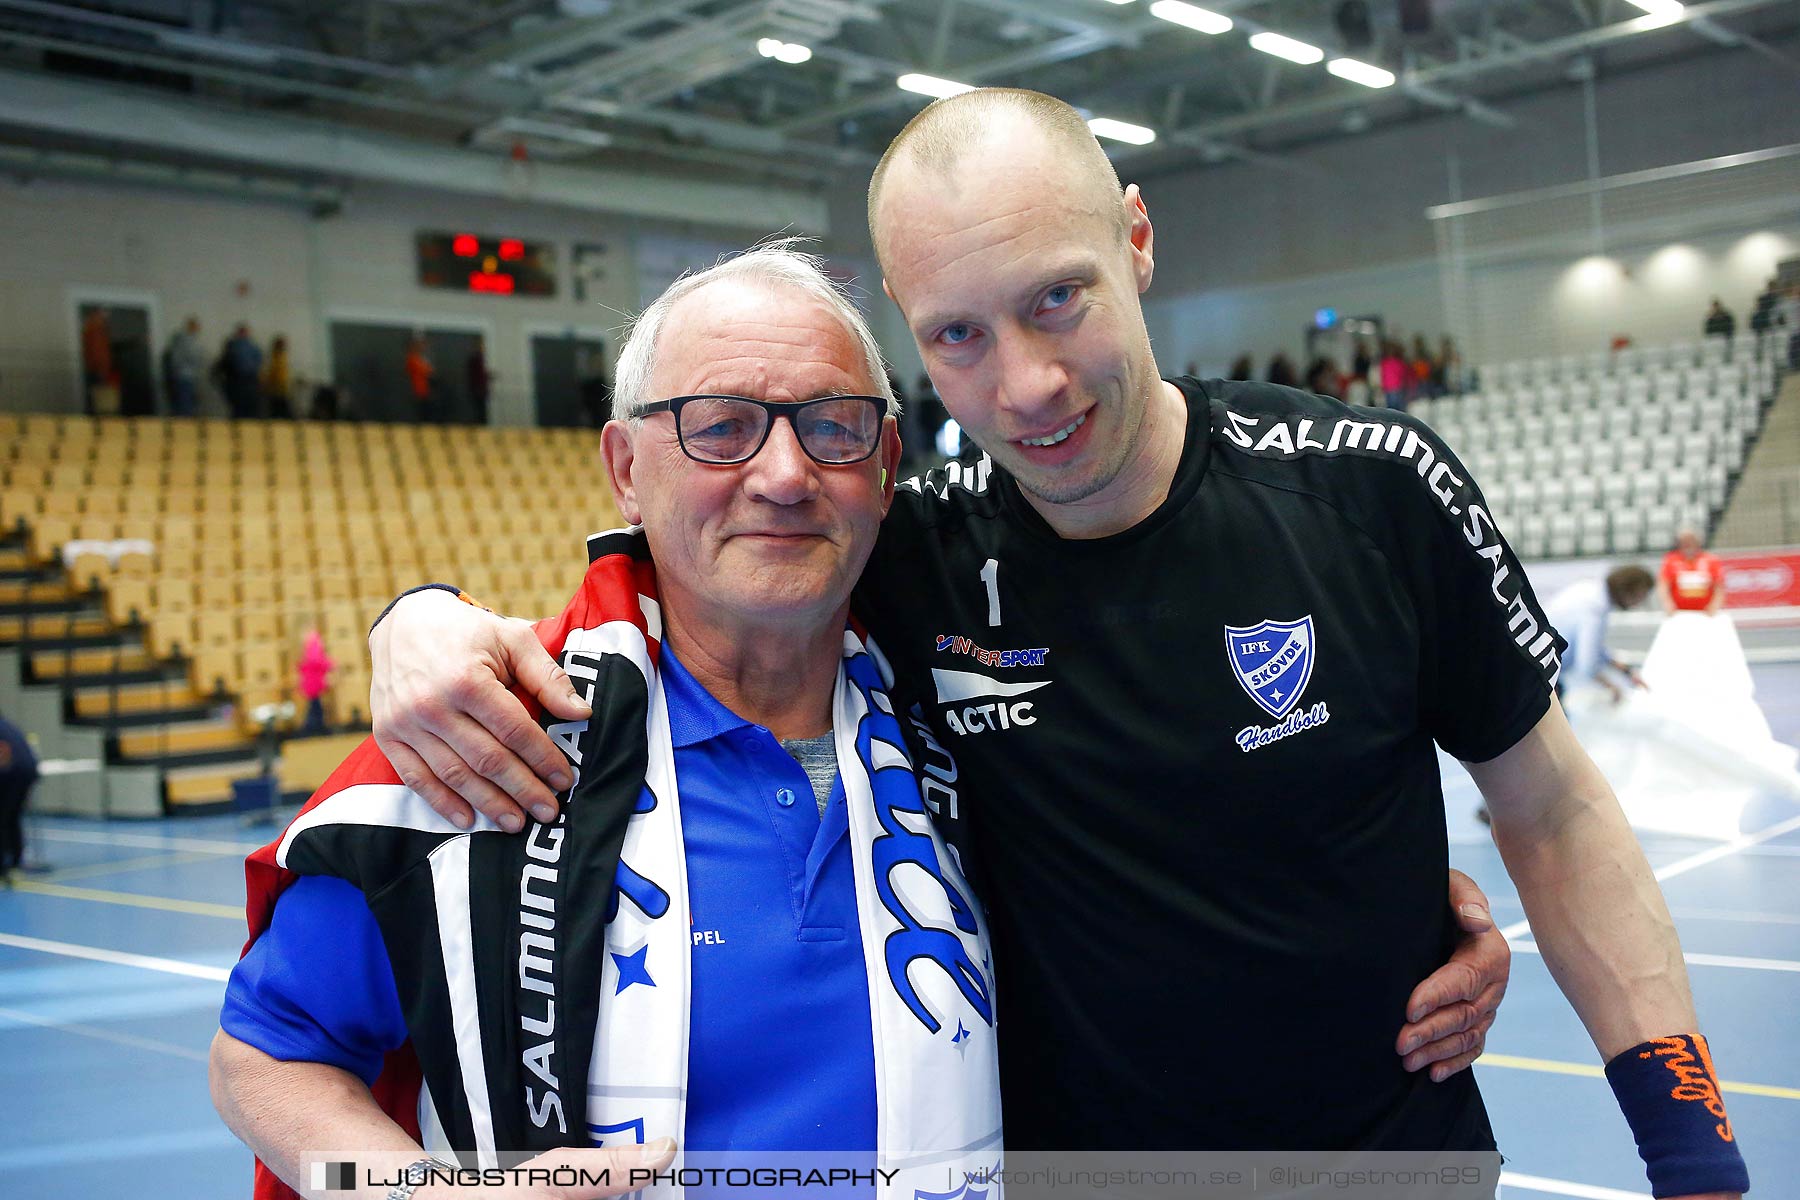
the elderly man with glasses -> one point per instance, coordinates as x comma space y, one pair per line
742, 933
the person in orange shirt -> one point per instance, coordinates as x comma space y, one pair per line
1691, 579
419, 373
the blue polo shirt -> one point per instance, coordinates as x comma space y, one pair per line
780, 1054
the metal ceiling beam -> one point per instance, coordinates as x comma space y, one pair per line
1073, 45
223, 48
130, 116
727, 135
29, 163
1709, 28
459, 117
560, 38
1086, 17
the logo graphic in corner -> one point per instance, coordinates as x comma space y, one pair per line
1273, 660
334, 1176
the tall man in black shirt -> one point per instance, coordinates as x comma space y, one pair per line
1191, 645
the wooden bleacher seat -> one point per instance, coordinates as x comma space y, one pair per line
129, 600
259, 626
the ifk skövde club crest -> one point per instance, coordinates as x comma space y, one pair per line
1273, 660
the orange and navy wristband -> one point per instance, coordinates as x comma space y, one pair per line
429, 587
1670, 1096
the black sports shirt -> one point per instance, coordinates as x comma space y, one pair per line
1194, 763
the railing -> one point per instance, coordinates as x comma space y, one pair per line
1766, 510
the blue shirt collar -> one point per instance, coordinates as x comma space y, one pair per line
694, 715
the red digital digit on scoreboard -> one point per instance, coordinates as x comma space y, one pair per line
468, 262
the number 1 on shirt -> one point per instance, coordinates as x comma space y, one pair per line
990, 575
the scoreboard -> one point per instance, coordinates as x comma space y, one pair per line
467, 262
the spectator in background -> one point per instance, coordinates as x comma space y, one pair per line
1393, 375
315, 669
18, 771
183, 364
97, 362
1448, 380
278, 381
1281, 371
1719, 321
1692, 580
1420, 368
1768, 307
479, 381
1322, 379
1579, 612
240, 372
419, 376
326, 402
1788, 321
1357, 385
1243, 367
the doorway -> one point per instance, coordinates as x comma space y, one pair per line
369, 363
569, 380
116, 358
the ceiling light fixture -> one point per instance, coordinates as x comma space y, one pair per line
1191, 15
931, 85
1360, 72
1122, 131
1287, 47
1660, 12
791, 53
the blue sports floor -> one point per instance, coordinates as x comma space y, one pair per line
111, 970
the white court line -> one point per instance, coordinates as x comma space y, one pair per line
169, 966
145, 841
1732, 914
1707, 960
1682, 866
104, 1035
1562, 1187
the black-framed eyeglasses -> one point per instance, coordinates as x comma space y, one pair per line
835, 431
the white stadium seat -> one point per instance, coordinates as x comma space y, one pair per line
1659, 526
1596, 530
1628, 531
1564, 534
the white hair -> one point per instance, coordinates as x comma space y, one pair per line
774, 263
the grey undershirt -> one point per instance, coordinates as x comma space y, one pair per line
817, 756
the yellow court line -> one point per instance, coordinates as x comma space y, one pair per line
122, 865
1554, 1066
199, 908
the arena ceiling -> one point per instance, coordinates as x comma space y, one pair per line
709, 87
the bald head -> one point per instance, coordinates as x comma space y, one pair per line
985, 126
